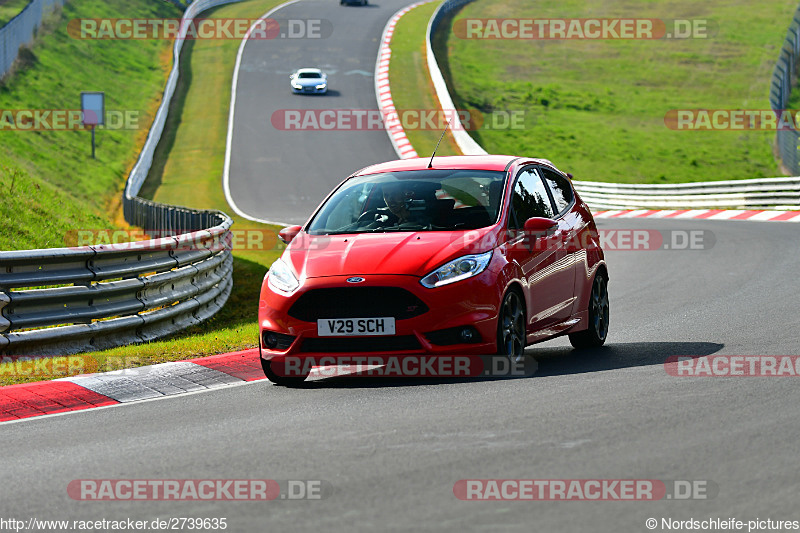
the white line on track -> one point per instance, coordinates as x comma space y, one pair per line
234, 84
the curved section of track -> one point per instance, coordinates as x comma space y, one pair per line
280, 175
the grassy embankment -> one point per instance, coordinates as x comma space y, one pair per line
49, 184
596, 107
53, 168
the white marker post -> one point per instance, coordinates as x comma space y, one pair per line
93, 111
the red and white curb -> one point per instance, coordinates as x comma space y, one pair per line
77, 393
383, 93
704, 214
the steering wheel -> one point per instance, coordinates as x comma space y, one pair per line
367, 217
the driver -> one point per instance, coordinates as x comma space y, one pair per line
398, 198
404, 207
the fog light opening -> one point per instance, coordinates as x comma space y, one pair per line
270, 340
467, 334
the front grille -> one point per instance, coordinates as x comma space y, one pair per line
357, 302
361, 344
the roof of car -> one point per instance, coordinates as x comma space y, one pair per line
308, 71
477, 162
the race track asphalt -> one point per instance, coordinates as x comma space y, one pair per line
391, 450
281, 175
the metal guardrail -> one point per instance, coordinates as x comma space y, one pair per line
117, 294
21, 29
782, 193
784, 78
66, 300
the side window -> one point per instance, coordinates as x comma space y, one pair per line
559, 187
529, 199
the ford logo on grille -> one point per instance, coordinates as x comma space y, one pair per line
355, 280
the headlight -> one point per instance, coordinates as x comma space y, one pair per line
321, 86
457, 269
280, 277
297, 85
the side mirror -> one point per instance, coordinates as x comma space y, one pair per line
569, 175
538, 227
289, 233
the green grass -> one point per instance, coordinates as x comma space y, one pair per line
27, 218
49, 185
408, 76
10, 9
596, 108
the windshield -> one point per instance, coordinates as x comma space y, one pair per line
419, 200
309, 75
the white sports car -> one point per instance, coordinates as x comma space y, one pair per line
309, 81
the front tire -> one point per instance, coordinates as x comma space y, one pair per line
511, 322
598, 314
286, 381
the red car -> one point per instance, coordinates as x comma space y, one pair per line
453, 256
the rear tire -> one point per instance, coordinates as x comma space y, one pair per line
286, 381
598, 314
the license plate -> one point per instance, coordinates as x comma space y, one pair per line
334, 327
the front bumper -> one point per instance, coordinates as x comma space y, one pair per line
310, 90
469, 303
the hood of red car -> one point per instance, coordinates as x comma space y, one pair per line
402, 253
